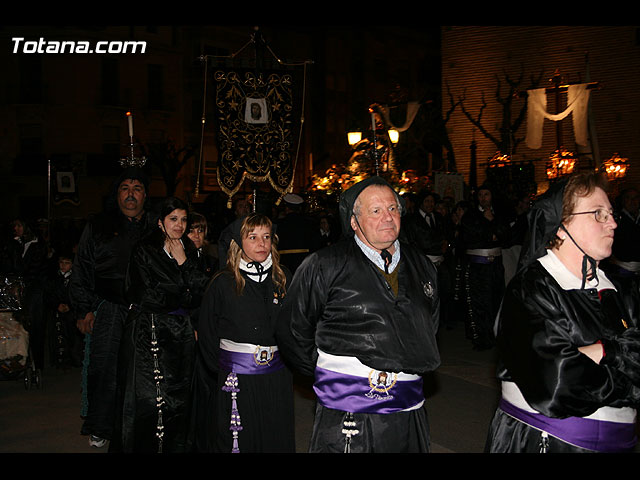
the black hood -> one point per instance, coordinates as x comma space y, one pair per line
348, 199
544, 219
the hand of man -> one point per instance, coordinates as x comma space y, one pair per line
85, 325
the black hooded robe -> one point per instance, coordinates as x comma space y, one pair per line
264, 401
157, 353
341, 303
539, 329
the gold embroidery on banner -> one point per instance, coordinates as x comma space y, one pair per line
255, 129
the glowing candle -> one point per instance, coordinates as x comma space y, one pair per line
130, 124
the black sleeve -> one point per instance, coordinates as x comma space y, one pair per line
297, 320
538, 341
82, 283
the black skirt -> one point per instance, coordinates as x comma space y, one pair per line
265, 407
142, 425
401, 432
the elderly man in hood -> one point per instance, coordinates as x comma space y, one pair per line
361, 316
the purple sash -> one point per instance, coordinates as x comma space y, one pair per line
381, 392
596, 435
250, 363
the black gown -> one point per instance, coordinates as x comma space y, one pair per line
264, 401
157, 353
484, 275
541, 325
341, 304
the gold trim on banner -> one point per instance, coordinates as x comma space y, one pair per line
257, 129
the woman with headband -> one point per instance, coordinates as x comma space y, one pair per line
569, 346
250, 408
157, 349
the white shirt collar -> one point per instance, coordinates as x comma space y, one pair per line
256, 273
566, 279
375, 257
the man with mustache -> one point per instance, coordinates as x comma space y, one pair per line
97, 293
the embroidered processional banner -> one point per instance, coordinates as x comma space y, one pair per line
258, 122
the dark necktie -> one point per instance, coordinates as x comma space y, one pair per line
386, 257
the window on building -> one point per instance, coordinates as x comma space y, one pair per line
110, 82
30, 159
155, 84
31, 86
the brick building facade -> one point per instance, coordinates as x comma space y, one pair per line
474, 58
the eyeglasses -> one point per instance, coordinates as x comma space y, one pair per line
601, 215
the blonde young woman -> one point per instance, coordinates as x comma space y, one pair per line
247, 404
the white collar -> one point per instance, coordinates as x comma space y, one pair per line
566, 279
375, 257
255, 270
27, 245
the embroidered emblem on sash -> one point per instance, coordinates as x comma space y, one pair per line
380, 384
263, 355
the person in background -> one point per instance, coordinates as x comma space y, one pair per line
66, 341
569, 347
296, 233
326, 234
517, 220
482, 234
624, 262
198, 235
28, 259
426, 229
241, 208
244, 395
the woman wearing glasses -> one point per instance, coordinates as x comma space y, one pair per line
567, 336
